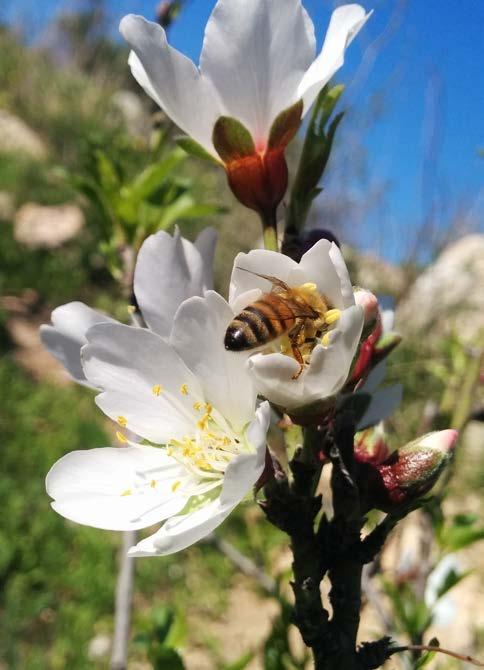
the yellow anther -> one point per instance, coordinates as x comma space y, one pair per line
332, 315
169, 451
131, 309
197, 406
184, 389
208, 408
123, 421
175, 485
127, 492
122, 438
226, 441
325, 340
157, 389
203, 423
153, 483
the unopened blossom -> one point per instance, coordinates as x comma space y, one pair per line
193, 404
323, 276
408, 473
168, 270
258, 75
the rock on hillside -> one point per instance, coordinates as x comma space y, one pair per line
17, 136
40, 226
449, 295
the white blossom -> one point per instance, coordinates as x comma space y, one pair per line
326, 368
258, 59
191, 399
169, 269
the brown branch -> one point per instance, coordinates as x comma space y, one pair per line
439, 650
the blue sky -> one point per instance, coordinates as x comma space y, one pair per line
419, 66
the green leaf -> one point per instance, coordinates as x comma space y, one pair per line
231, 139
107, 172
427, 656
458, 537
241, 663
451, 579
314, 156
163, 658
151, 178
194, 149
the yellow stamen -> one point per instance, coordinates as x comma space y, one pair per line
127, 492
157, 389
169, 451
184, 389
153, 483
122, 438
332, 315
325, 340
123, 421
197, 406
131, 309
175, 485
208, 408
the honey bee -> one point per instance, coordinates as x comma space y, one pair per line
295, 312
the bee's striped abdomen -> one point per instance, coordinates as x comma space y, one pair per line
260, 323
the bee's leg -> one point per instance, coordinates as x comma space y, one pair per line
293, 338
315, 338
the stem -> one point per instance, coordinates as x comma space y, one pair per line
269, 226
439, 650
123, 604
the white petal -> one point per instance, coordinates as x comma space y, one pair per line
346, 21
326, 374
242, 473
258, 261
382, 405
324, 265
67, 334
198, 336
205, 243
171, 79
255, 53
123, 488
169, 270
127, 363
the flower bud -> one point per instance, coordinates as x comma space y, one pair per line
369, 302
371, 445
409, 473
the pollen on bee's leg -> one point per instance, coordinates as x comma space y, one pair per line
332, 315
325, 340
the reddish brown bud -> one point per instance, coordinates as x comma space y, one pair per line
409, 473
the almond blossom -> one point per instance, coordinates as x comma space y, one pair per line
258, 75
195, 406
327, 362
169, 269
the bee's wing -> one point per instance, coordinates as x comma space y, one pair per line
276, 283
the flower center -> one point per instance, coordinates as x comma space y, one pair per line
207, 451
308, 332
